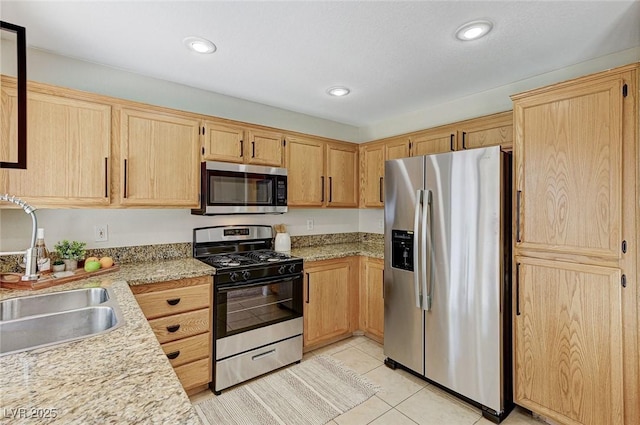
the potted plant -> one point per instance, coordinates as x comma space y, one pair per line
58, 266
70, 253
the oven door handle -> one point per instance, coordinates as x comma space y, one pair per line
226, 287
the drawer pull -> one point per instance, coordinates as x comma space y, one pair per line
173, 301
173, 328
261, 355
173, 355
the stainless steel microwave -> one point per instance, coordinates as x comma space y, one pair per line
227, 188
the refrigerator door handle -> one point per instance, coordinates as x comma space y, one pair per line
427, 256
417, 272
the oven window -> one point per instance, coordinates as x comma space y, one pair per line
228, 188
244, 308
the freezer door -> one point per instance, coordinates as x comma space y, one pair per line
403, 317
463, 325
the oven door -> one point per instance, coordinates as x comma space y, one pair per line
242, 189
241, 307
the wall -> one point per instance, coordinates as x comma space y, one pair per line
490, 101
155, 226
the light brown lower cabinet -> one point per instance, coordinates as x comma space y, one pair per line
330, 301
568, 341
372, 297
180, 314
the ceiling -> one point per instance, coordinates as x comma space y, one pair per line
396, 57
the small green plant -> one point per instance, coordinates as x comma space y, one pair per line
58, 263
73, 250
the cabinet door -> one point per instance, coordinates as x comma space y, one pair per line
305, 172
159, 159
342, 172
372, 298
487, 131
429, 142
397, 148
568, 341
568, 172
265, 148
68, 152
372, 175
223, 142
327, 307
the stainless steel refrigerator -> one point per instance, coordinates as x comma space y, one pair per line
447, 310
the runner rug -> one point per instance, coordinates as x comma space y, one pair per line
312, 392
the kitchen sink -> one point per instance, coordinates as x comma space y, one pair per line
31, 329
16, 308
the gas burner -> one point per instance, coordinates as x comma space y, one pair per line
266, 255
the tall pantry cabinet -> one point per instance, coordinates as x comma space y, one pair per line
576, 249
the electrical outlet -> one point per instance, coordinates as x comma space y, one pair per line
101, 232
309, 224
381, 223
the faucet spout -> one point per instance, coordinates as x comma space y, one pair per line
30, 253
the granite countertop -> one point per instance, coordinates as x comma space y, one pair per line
339, 250
122, 376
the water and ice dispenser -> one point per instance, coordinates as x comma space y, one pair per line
402, 250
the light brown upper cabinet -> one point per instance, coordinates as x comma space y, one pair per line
576, 249
68, 153
398, 147
159, 158
223, 142
491, 130
372, 158
437, 140
342, 174
372, 175
305, 172
229, 142
320, 173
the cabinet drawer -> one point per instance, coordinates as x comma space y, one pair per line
194, 374
181, 325
188, 349
172, 301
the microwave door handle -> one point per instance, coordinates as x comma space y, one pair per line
416, 248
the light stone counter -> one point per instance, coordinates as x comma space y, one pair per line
339, 250
121, 377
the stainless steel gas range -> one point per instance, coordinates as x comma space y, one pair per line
257, 311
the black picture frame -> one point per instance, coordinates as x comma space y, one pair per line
21, 41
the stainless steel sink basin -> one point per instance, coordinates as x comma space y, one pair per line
56, 302
47, 328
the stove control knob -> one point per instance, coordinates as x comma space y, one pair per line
292, 268
282, 269
246, 275
233, 276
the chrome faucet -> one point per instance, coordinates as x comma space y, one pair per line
30, 272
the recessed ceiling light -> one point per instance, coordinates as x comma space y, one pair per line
338, 91
199, 45
473, 30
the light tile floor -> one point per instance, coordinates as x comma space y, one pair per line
403, 399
